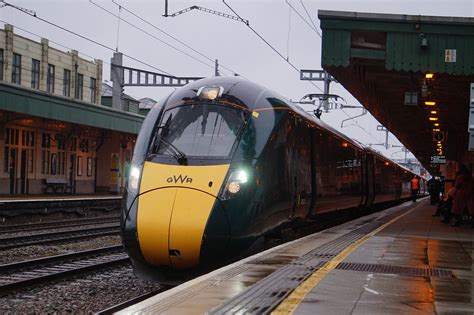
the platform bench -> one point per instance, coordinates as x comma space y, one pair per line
57, 185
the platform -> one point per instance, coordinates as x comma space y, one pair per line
398, 261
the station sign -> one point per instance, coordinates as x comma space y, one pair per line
438, 159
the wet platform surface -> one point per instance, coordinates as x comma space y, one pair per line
399, 261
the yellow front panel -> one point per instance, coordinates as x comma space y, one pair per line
175, 218
154, 215
190, 213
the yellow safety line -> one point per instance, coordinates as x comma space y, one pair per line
288, 305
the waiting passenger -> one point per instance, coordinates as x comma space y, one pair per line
414, 188
446, 205
434, 187
463, 186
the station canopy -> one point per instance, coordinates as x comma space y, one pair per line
412, 73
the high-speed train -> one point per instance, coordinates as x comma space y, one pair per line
223, 163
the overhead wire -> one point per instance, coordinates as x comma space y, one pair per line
357, 125
269, 45
151, 35
309, 16
173, 37
83, 37
309, 25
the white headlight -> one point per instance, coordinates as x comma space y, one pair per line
242, 177
134, 177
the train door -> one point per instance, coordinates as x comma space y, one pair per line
370, 180
302, 164
24, 171
313, 147
291, 164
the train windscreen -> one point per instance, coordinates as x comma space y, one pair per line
201, 130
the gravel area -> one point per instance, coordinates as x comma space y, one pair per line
38, 251
86, 295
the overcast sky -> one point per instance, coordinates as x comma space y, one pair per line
232, 42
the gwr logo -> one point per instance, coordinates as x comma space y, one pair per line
179, 179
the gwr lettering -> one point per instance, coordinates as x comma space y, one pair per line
175, 179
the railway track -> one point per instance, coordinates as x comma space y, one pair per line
15, 228
55, 237
30, 273
135, 300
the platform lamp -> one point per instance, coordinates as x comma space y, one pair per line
430, 103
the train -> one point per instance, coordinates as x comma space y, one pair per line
223, 163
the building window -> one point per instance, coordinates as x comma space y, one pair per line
50, 79
61, 153
16, 69
45, 152
35, 73
79, 82
28, 140
67, 83
11, 148
93, 90
1, 64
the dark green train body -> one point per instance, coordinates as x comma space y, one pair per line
223, 163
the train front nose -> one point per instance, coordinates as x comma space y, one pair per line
173, 222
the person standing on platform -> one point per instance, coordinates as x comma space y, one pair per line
414, 188
463, 184
434, 188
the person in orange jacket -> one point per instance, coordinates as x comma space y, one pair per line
415, 186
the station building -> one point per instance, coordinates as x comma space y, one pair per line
55, 135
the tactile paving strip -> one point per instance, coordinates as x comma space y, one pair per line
396, 270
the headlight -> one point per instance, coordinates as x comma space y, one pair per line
134, 179
234, 183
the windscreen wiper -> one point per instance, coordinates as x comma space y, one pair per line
175, 152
